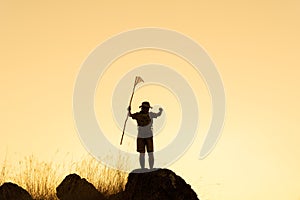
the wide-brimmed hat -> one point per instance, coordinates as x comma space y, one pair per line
145, 104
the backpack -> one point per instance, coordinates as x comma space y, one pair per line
143, 119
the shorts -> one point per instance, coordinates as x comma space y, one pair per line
141, 143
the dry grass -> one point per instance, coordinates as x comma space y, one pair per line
111, 181
41, 178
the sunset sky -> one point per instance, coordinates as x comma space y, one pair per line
255, 46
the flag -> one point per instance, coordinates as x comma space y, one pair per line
138, 80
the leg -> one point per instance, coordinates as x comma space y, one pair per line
142, 160
141, 149
151, 159
149, 145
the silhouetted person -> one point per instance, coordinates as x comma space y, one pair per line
144, 120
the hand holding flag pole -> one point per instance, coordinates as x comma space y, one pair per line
138, 80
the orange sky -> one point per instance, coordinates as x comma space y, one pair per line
255, 46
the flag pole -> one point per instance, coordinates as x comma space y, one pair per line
137, 80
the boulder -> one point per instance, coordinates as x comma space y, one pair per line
11, 191
73, 187
155, 184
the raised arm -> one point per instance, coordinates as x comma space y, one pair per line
155, 115
129, 111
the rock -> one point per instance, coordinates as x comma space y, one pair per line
73, 187
156, 184
11, 191
118, 196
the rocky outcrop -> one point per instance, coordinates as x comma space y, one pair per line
11, 191
156, 184
73, 187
